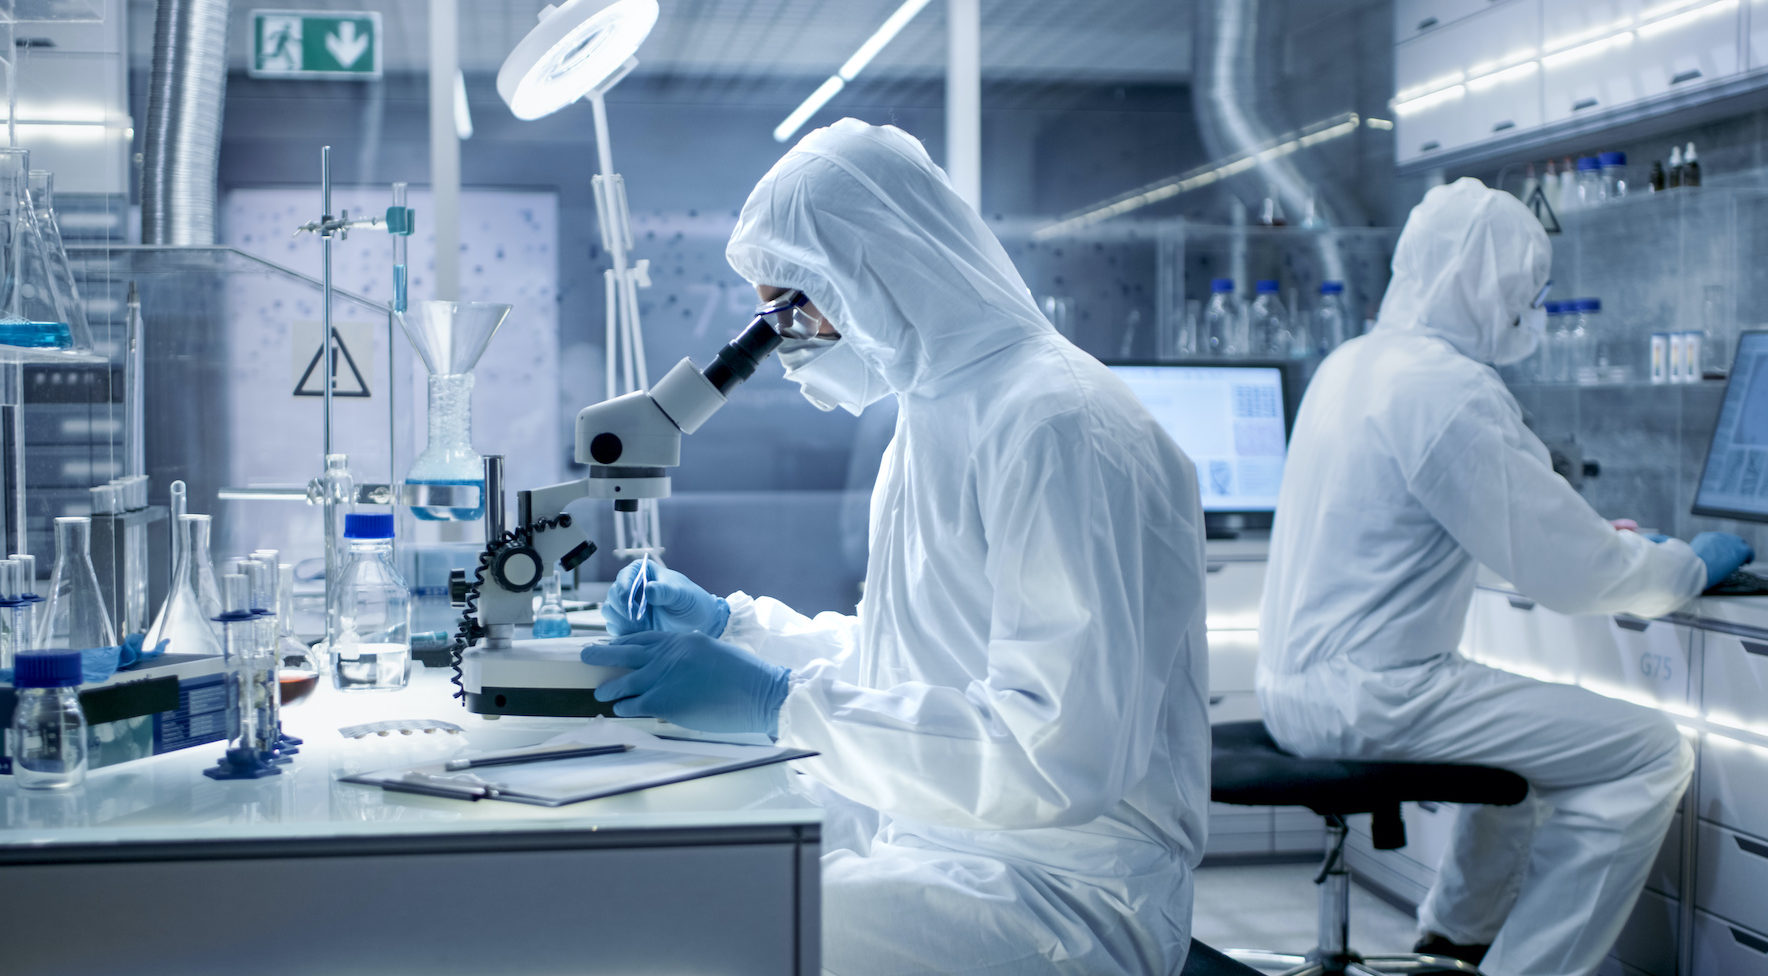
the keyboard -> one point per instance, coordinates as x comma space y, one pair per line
1743, 582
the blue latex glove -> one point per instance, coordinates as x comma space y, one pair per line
672, 603
692, 680
99, 663
1723, 553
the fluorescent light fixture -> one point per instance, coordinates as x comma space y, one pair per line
576, 49
463, 116
1589, 50
1683, 19
1435, 84
1564, 41
1496, 64
800, 115
1324, 131
1652, 13
1496, 78
893, 26
1432, 100
868, 50
1386, 125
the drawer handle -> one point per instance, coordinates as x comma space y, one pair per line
1633, 624
1751, 647
1583, 103
1749, 941
1427, 23
1215, 700
1520, 603
1431, 146
1214, 567
1501, 126
1751, 847
1689, 75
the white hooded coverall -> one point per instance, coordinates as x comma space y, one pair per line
1409, 466
1013, 728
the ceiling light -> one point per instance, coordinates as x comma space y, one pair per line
576, 49
868, 50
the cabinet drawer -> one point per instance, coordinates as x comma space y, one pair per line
1512, 632
1648, 942
1233, 706
1758, 34
1724, 949
1687, 51
1231, 594
1666, 872
1419, 18
1734, 784
1734, 680
1636, 659
1233, 662
1444, 55
1731, 876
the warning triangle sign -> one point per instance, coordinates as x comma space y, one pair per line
1543, 211
347, 378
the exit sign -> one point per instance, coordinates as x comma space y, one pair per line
316, 44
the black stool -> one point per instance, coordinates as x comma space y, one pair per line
1248, 769
1205, 961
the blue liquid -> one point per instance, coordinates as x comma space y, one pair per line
450, 514
552, 627
36, 335
398, 287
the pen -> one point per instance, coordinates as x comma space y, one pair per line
426, 789
533, 755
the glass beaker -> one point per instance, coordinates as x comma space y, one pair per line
550, 619
297, 668
185, 619
63, 292
74, 619
30, 315
450, 337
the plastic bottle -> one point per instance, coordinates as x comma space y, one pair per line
1550, 187
373, 650
1676, 171
47, 742
74, 619
1568, 186
1690, 167
1332, 324
1614, 175
550, 620
1580, 344
1221, 321
1269, 322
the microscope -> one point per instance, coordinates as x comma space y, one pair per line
629, 442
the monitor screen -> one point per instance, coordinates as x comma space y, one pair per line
1230, 419
1734, 483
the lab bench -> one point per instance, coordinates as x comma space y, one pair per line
151, 867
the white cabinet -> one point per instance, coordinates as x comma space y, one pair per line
1231, 593
1233, 661
1758, 40
1476, 78
1417, 18
1731, 875
1734, 678
1723, 949
1648, 941
1688, 50
1639, 660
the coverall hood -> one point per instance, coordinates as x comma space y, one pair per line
858, 218
1469, 261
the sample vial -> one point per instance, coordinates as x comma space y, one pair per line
47, 742
1691, 347
1678, 346
1660, 357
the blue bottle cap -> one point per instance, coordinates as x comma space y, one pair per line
1220, 285
1553, 308
1589, 163
1613, 159
376, 526
1267, 286
46, 669
1331, 287
1589, 304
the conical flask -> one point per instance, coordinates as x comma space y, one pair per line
450, 337
75, 617
185, 620
30, 316
64, 293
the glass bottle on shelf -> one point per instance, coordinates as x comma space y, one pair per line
65, 294
31, 316
1579, 348
185, 621
47, 741
1715, 333
1268, 322
1331, 321
74, 618
1590, 188
1221, 321
373, 649
550, 620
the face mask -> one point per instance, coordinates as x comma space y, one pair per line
1523, 338
832, 374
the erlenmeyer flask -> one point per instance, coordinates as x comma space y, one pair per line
29, 316
64, 293
185, 619
450, 337
74, 618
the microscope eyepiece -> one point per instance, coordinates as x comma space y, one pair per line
736, 362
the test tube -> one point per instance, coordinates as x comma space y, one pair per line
399, 279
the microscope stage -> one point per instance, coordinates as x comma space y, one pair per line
541, 676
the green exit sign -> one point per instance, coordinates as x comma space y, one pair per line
316, 44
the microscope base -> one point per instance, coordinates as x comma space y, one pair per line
544, 677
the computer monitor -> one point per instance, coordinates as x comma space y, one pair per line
1231, 418
1734, 483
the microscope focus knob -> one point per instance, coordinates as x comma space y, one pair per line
517, 569
457, 587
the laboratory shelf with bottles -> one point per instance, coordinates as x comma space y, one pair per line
1680, 262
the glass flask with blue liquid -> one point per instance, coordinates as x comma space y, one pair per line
450, 337
39, 307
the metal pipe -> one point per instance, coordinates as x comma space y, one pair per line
134, 403
494, 513
325, 279
445, 145
182, 149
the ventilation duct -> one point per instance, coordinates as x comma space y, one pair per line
183, 144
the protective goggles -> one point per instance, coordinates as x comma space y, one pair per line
1541, 296
787, 317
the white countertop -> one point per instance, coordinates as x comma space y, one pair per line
167, 799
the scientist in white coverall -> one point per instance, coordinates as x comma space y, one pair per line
1013, 728
1409, 467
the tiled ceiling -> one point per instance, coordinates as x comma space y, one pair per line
1049, 40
